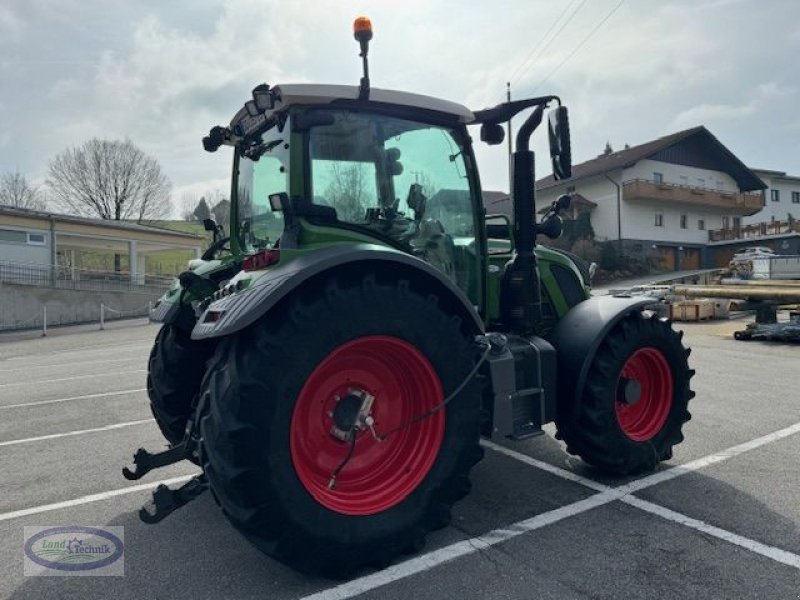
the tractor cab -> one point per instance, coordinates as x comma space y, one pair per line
324, 167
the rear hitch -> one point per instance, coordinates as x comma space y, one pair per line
167, 500
144, 461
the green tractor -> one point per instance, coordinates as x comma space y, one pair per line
333, 362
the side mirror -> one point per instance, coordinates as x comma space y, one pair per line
560, 148
499, 227
211, 225
561, 203
278, 202
492, 133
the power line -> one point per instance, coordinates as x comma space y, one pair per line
541, 41
552, 39
579, 46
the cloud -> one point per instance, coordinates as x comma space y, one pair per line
163, 73
12, 27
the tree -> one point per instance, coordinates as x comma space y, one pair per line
17, 192
347, 191
110, 179
222, 212
201, 211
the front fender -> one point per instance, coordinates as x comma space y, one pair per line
236, 311
578, 335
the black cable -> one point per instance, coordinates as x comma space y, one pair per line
441, 404
350, 450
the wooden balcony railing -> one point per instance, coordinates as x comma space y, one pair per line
754, 231
735, 203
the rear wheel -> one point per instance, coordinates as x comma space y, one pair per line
175, 371
283, 397
635, 398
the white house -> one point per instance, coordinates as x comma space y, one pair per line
664, 196
781, 198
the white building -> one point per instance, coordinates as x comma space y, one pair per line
664, 196
781, 198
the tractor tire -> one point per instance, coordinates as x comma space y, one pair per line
272, 397
635, 399
175, 372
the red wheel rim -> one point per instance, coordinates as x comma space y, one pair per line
379, 475
643, 419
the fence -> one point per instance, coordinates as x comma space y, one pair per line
40, 296
39, 320
58, 276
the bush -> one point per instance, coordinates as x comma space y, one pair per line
609, 259
588, 250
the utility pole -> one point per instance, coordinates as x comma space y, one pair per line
510, 174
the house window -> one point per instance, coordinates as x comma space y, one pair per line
737, 222
36, 239
701, 224
795, 197
659, 219
726, 222
9, 235
775, 195
658, 178
684, 222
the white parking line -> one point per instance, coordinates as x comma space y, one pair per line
53, 436
73, 378
80, 351
15, 514
70, 364
776, 554
57, 400
607, 495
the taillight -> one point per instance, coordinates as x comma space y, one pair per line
261, 259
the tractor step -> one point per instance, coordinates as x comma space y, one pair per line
525, 413
167, 500
144, 461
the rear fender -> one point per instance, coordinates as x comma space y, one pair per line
578, 335
233, 313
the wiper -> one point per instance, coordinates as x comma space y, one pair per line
256, 151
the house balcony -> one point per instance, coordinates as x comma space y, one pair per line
754, 231
734, 203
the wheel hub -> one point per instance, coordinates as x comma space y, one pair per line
351, 413
629, 391
345, 414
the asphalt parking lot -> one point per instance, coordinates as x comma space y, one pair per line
720, 520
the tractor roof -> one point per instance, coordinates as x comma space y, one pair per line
312, 93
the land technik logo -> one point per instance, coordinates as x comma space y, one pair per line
74, 550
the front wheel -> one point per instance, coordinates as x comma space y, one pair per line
635, 399
324, 439
174, 372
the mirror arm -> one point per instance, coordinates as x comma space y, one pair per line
528, 127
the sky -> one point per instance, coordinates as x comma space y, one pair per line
162, 73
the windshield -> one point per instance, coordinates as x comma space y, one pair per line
401, 179
263, 172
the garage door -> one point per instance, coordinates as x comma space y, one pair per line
667, 257
690, 259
